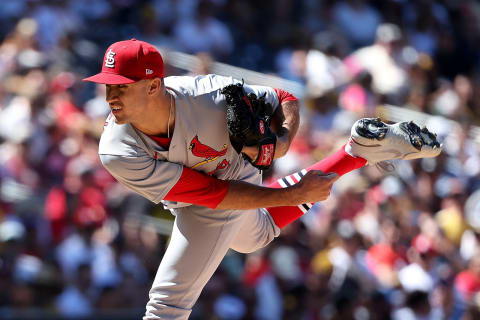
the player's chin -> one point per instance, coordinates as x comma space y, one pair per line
119, 120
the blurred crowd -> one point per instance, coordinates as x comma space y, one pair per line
403, 244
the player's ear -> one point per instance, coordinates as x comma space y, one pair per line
154, 86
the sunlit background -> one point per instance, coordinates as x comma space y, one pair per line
399, 245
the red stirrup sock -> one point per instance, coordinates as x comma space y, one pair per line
340, 162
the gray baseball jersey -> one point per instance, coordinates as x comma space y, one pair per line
200, 140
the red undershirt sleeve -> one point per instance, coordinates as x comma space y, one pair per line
197, 188
284, 96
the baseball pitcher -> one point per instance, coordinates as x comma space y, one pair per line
198, 145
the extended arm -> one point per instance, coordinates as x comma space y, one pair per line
169, 181
197, 188
314, 186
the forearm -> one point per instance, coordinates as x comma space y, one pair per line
314, 186
243, 196
286, 120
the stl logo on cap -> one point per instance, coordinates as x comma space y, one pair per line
128, 61
110, 59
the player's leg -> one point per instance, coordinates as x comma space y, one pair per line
339, 162
255, 231
371, 141
259, 229
198, 244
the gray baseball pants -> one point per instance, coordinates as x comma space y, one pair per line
200, 239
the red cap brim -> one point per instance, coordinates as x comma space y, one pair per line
108, 78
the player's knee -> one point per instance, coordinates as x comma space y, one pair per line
162, 306
249, 247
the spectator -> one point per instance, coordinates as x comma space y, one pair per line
76, 299
389, 76
204, 33
357, 20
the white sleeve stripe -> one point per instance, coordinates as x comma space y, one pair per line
282, 183
290, 180
302, 208
297, 176
308, 205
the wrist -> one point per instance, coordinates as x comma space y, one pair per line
293, 195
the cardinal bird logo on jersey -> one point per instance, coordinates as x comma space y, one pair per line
203, 151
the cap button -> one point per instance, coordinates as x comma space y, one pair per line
133, 39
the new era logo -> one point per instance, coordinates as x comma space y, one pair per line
148, 71
110, 59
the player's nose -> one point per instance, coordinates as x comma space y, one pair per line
111, 94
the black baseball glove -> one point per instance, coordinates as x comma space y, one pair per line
248, 124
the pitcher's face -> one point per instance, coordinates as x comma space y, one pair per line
127, 100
